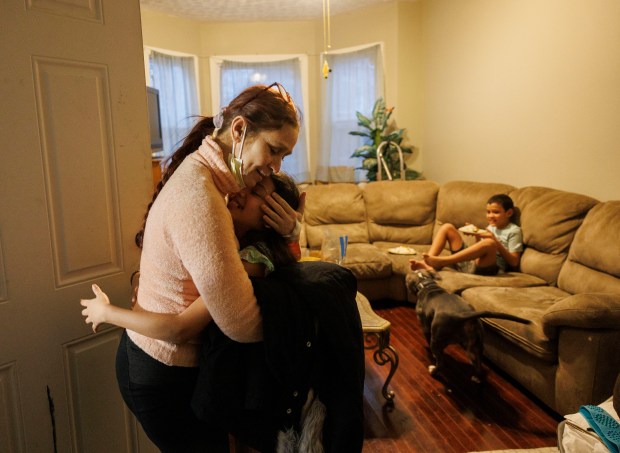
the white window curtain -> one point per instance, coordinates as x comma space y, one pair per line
238, 75
175, 78
355, 83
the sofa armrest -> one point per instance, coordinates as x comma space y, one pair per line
588, 365
584, 311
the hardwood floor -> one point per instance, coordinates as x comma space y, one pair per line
448, 415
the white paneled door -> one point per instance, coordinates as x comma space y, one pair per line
75, 178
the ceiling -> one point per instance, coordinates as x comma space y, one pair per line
254, 10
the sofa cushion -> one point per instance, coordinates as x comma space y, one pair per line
339, 207
583, 311
400, 263
461, 202
367, 262
401, 211
593, 263
529, 303
456, 282
549, 219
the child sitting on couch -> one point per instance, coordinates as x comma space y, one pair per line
498, 247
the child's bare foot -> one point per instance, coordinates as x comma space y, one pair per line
419, 265
433, 262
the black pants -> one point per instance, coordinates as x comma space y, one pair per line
159, 396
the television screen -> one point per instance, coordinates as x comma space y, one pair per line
152, 98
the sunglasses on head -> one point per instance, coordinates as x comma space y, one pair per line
281, 91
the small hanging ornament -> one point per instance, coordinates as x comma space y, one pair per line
326, 70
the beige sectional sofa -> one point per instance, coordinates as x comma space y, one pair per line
568, 284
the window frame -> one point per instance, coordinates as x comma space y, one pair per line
323, 172
172, 53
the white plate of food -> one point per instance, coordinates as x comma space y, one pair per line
402, 250
471, 229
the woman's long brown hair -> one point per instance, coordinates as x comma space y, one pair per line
263, 108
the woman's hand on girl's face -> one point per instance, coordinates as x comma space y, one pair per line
95, 308
279, 215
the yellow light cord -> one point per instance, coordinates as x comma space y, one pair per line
326, 37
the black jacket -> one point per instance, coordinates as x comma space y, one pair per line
312, 339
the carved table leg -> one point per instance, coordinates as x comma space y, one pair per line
384, 354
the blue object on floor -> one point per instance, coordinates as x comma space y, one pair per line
604, 425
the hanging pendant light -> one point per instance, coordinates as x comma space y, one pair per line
326, 38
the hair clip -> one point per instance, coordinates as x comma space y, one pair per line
218, 120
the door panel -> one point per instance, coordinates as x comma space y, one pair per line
11, 427
69, 93
75, 179
90, 408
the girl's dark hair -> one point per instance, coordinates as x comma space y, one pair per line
268, 241
503, 200
263, 108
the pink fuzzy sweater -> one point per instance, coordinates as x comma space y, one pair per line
189, 250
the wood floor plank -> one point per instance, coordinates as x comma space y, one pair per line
448, 414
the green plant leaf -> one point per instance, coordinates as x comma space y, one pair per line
363, 154
395, 135
365, 151
361, 134
412, 174
369, 163
378, 108
371, 175
367, 148
362, 120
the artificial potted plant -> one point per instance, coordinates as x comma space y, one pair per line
378, 131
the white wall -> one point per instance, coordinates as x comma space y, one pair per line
525, 92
